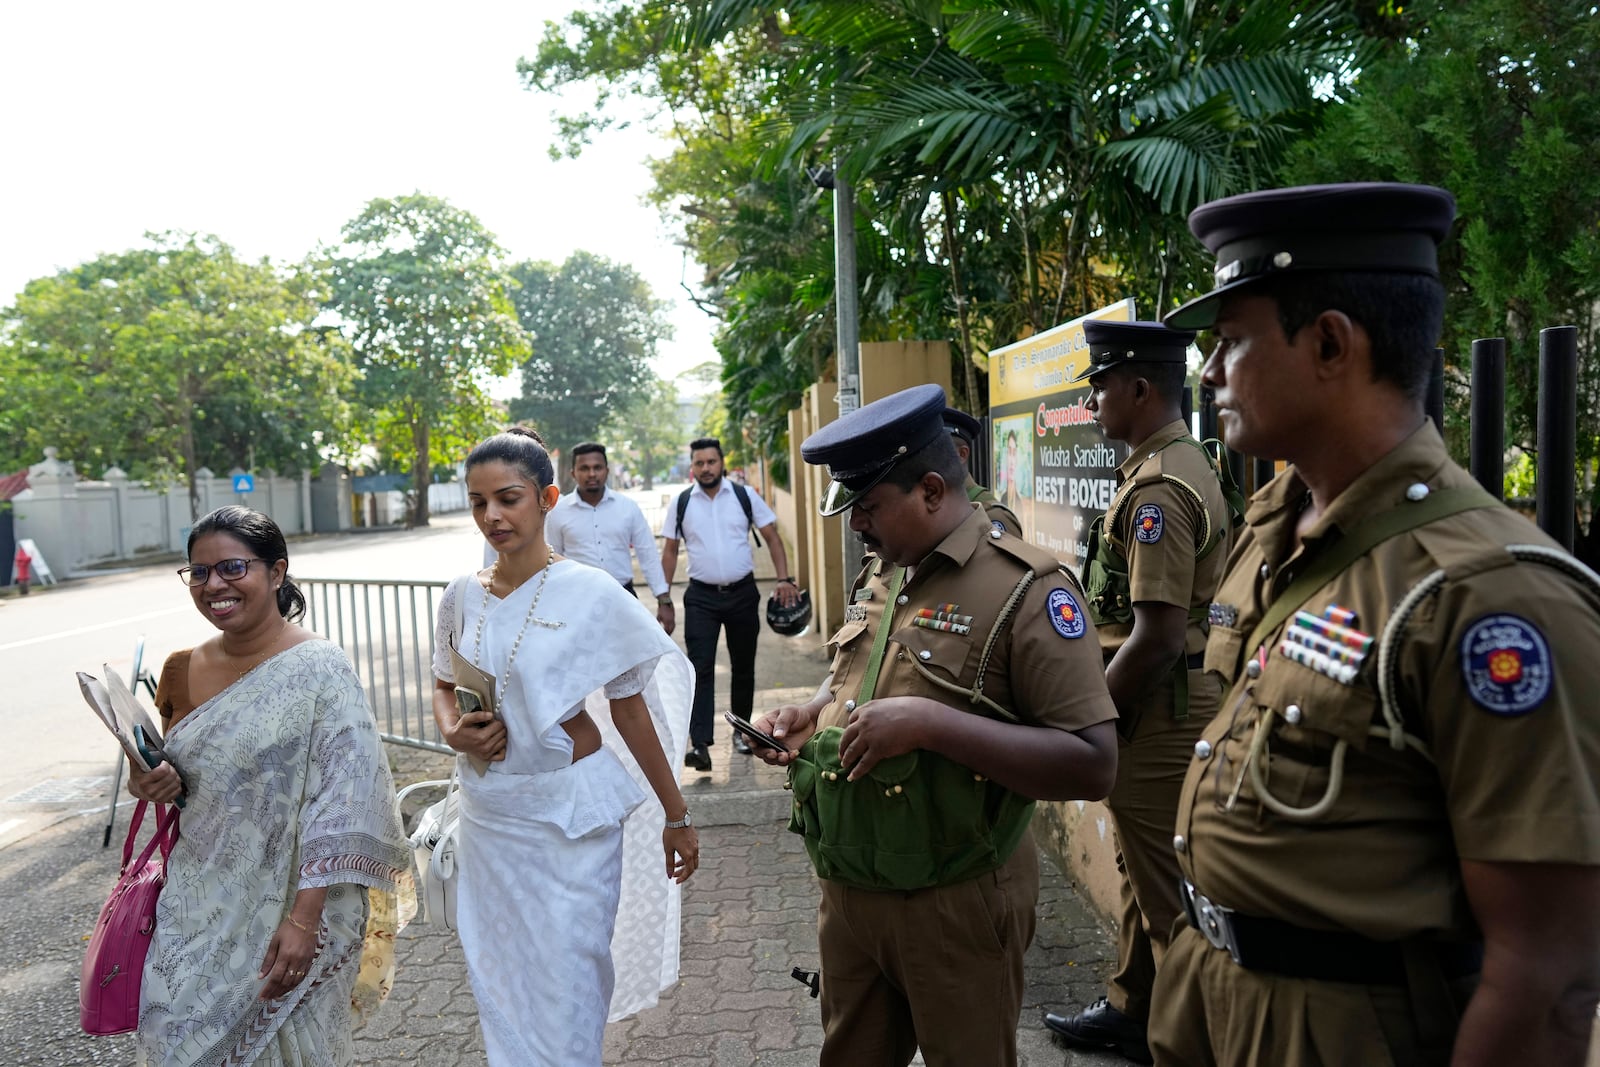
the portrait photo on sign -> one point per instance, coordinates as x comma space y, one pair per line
1013, 465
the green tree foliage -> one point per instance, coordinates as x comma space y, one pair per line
416, 286
646, 430
169, 358
1499, 102
594, 326
1015, 164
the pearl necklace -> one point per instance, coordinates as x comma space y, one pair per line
477, 640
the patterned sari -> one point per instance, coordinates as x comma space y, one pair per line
288, 789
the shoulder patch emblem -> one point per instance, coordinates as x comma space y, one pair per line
1505, 662
1065, 614
1147, 523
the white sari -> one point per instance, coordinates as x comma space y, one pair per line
288, 789
551, 849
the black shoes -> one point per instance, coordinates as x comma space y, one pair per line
1100, 1026
741, 746
697, 757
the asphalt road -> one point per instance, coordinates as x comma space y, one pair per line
59, 758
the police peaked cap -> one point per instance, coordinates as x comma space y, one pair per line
1362, 226
961, 424
1112, 344
860, 448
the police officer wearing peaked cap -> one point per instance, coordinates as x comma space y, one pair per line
1390, 842
913, 794
1154, 561
964, 432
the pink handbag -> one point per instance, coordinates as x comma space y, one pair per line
113, 966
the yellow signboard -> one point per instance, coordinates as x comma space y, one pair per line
1052, 465
1046, 362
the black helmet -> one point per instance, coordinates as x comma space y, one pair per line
789, 622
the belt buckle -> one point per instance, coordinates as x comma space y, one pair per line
1212, 920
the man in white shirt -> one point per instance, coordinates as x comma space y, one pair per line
593, 525
716, 519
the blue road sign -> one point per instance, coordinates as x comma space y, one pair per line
244, 483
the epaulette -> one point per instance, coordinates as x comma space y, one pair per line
1035, 559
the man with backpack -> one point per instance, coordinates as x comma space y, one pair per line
715, 519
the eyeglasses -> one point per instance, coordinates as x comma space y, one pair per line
229, 570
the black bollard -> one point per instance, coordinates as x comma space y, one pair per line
1436, 391
1208, 413
1488, 428
1557, 434
1263, 472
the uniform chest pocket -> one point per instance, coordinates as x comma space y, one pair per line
1306, 703
846, 644
1305, 726
1222, 652
943, 653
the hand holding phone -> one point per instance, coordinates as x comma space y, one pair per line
756, 736
150, 749
469, 701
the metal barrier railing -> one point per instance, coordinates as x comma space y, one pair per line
386, 628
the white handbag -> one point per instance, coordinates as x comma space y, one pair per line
433, 845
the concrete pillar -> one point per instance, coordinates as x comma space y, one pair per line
117, 479
49, 517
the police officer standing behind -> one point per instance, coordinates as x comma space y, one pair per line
966, 683
964, 431
1154, 562
1391, 836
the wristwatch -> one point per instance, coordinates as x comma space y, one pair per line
680, 823
667, 599
789, 581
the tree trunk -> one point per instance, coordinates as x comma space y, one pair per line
421, 474
186, 447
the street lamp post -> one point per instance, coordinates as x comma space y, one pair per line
847, 328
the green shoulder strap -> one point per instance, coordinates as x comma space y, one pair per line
1361, 539
1231, 492
880, 640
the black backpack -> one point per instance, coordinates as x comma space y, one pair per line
739, 492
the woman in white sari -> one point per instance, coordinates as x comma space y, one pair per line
556, 834
275, 931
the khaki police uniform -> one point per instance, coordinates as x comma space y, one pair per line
1168, 512
942, 967
1336, 837
1000, 516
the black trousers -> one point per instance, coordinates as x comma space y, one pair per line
707, 609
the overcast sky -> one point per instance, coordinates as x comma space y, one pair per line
273, 125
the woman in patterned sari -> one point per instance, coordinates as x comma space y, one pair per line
290, 878
568, 905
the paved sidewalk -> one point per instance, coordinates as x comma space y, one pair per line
749, 917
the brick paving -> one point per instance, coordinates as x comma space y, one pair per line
749, 917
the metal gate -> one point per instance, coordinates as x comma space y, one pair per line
386, 628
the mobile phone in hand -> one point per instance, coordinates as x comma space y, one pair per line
756, 736
468, 701
150, 749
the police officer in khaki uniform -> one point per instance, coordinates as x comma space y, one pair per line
964, 431
966, 683
1391, 835
1155, 559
